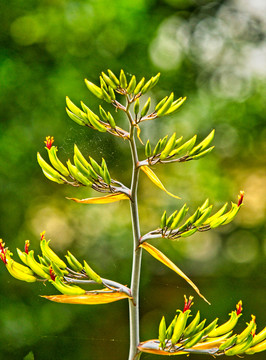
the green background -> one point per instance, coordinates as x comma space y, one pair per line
213, 52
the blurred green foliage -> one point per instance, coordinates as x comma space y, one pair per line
211, 51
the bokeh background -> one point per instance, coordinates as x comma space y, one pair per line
214, 52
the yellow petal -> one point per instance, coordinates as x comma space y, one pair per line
90, 298
102, 199
155, 180
157, 254
138, 134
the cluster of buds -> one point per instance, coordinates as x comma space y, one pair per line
172, 150
110, 85
182, 338
200, 221
50, 267
81, 173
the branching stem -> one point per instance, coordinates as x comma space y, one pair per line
137, 251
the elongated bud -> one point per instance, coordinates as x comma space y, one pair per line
37, 268
111, 93
136, 107
123, 79
103, 113
193, 340
179, 217
150, 84
240, 198
91, 273
179, 326
113, 77
57, 164
162, 332
146, 107
49, 172
160, 104
163, 220
185, 147
192, 326
202, 154
166, 106
67, 289
132, 84
204, 144
48, 252
75, 261
78, 175
139, 86
94, 89
169, 147
148, 149
109, 81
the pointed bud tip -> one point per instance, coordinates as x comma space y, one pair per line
240, 198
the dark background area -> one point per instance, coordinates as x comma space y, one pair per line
213, 52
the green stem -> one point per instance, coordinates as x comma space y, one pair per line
136, 264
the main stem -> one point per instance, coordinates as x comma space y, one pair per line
137, 252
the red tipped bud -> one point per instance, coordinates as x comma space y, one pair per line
3, 252
42, 235
188, 303
49, 142
52, 274
239, 308
26, 247
240, 198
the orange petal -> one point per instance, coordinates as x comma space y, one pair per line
90, 298
102, 199
157, 254
153, 177
153, 347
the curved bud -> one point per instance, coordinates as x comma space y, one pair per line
161, 103
139, 86
75, 118
109, 81
169, 147
241, 337
22, 256
57, 164
226, 327
19, 271
202, 145
50, 254
185, 147
189, 330
228, 343
78, 175
166, 106
91, 273
257, 348
50, 172
94, 89
240, 348
113, 77
36, 267
67, 289
193, 340
75, 261
163, 220
179, 217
